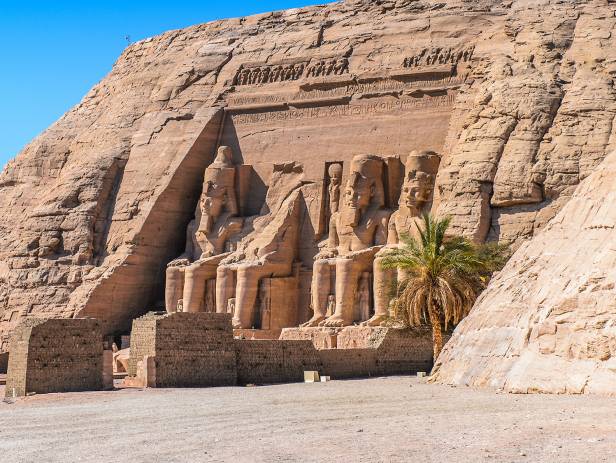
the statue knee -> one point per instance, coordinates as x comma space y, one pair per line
172, 272
222, 272
246, 271
346, 265
189, 274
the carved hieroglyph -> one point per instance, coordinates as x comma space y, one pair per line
357, 232
208, 238
269, 250
415, 200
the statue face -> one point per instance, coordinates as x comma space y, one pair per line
358, 192
416, 191
212, 204
358, 195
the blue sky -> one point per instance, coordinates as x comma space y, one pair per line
53, 52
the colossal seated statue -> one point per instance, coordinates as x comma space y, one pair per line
420, 174
357, 231
209, 239
268, 251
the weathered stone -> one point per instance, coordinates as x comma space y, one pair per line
198, 349
56, 356
546, 322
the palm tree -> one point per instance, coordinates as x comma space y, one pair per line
443, 276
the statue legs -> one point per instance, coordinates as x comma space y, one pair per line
195, 282
348, 272
320, 290
225, 287
385, 281
248, 277
174, 287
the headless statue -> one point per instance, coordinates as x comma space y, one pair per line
209, 237
357, 231
268, 251
415, 199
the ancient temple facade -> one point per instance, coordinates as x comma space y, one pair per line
310, 257
319, 167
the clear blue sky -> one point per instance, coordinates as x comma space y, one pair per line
53, 52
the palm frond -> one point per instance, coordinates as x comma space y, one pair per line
443, 272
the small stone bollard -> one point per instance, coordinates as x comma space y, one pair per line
421, 374
326, 379
311, 377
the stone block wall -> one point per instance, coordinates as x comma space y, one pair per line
265, 362
55, 355
402, 352
348, 363
322, 338
189, 349
144, 336
198, 349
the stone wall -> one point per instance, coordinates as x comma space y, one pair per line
55, 356
188, 349
267, 362
198, 349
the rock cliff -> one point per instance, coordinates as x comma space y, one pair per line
547, 322
516, 96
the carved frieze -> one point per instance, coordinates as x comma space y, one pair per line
272, 73
439, 56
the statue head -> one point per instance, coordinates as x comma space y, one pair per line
218, 195
335, 174
421, 170
364, 188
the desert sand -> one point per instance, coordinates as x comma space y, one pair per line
395, 419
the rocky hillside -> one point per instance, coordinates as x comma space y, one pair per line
93, 209
547, 323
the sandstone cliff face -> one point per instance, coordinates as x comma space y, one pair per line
547, 322
517, 97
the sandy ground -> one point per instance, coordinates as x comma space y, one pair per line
376, 420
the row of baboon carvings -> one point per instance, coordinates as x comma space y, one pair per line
243, 265
284, 73
267, 74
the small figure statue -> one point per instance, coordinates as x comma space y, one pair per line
420, 175
231, 306
331, 305
335, 180
357, 232
363, 297
208, 238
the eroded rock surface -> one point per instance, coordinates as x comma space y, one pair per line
516, 97
547, 322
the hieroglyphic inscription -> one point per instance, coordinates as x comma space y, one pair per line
377, 86
353, 110
268, 74
438, 56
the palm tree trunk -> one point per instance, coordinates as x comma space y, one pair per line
437, 335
